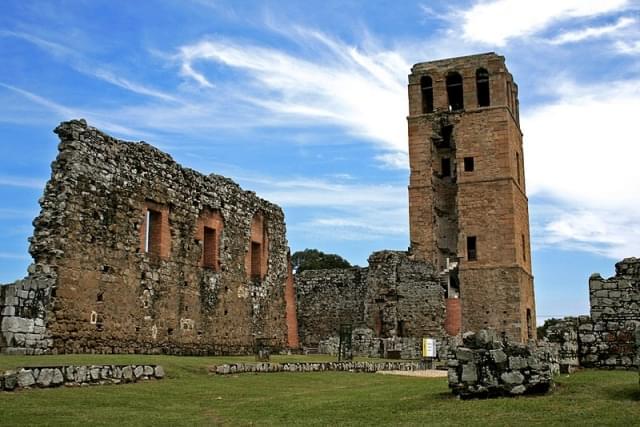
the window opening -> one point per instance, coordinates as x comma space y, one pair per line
454, 91
529, 325
446, 167
256, 260
400, 328
447, 132
426, 88
482, 87
468, 164
210, 249
518, 167
153, 232
472, 254
524, 249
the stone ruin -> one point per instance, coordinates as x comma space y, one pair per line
134, 253
489, 366
606, 338
391, 305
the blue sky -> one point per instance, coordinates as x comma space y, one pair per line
305, 103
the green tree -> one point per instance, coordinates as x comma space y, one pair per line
313, 259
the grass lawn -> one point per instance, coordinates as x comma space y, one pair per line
190, 396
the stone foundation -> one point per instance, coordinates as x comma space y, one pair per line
56, 376
370, 367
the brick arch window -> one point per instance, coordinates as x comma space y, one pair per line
482, 87
426, 89
209, 234
454, 91
258, 252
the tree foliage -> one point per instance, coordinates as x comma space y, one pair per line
313, 259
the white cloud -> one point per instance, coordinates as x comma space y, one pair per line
592, 32
363, 92
628, 47
495, 22
582, 156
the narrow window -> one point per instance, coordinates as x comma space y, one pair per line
400, 328
472, 254
524, 249
426, 88
446, 167
210, 249
256, 260
153, 232
454, 91
482, 87
468, 164
529, 324
518, 167
447, 132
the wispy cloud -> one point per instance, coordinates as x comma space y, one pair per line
84, 66
593, 32
23, 182
495, 22
340, 85
628, 47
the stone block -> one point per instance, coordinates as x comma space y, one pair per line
45, 377
158, 371
10, 380
512, 378
469, 373
17, 324
57, 378
25, 378
138, 371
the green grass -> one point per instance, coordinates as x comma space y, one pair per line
190, 396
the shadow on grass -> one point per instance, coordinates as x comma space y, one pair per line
627, 392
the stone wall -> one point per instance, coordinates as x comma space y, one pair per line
607, 339
326, 299
565, 335
55, 376
487, 366
265, 367
134, 253
392, 305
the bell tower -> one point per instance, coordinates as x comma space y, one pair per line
468, 209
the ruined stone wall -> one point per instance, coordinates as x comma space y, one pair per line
326, 299
391, 305
607, 339
129, 267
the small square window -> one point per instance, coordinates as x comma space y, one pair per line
468, 164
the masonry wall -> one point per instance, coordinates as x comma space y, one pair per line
397, 298
98, 285
607, 339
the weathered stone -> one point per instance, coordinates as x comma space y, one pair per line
45, 377
147, 371
469, 373
10, 380
158, 372
127, 373
138, 371
498, 356
57, 378
25, 378
512, 378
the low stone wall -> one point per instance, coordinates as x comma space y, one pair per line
55, 376
486, 366
564, 334
23, 314
371, 367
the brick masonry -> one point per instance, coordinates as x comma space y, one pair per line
450, 201
123, 262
